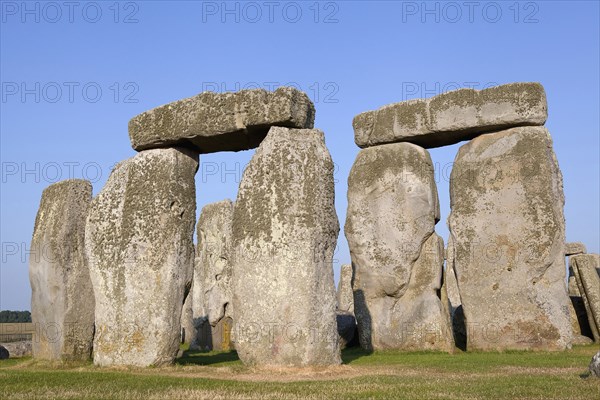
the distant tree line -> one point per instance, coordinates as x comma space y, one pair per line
7, 316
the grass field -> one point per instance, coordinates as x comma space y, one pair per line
385, 375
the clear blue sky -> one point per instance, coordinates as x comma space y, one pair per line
73, 75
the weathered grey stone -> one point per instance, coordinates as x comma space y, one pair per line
450, 282
398, 260
214, 253
581, 340
188, 329
347, 329
285, 230
451, 297
573, 289
345, 296
574, 248
212, 277
139, 240
584, 269
62, 299
211, 122
20, 349
507, 226
453, 116
202, 340
4, 354
595, 365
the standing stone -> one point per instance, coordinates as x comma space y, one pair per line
211, 122
214, 265
188, 330
285, 231
584, 268
508, 231
139, 240
345, 296
450, 290
62, 299
203, 338
398, 260
579, 319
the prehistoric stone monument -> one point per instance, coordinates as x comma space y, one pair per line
62, 300
587, 275
213, 272
398, 259
507, 226
507, 223
346, 322
453, 116
139, 230
261, 276
345, 296
211, 122
284, 234
188, 329
451, 298
582, 333
139, 244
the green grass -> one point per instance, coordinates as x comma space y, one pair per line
381, 375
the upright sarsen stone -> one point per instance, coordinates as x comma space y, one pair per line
214, 267
585, 267
139, 243
508, 231
62, 299
285, 230
345, 296
398, 260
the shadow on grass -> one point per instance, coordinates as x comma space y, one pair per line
352, 354
193, 357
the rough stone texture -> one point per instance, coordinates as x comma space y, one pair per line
574, 248
345, 296
221, 335
507, 226
62, 299
347, 329
584, 269
19, 349
595, 365
451, 297
214, 258
139, 236
188, 329
211, 122
573, 289
398, 260
285, 230
203, 340
453, 116
579, 319
203, 330
4, 354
